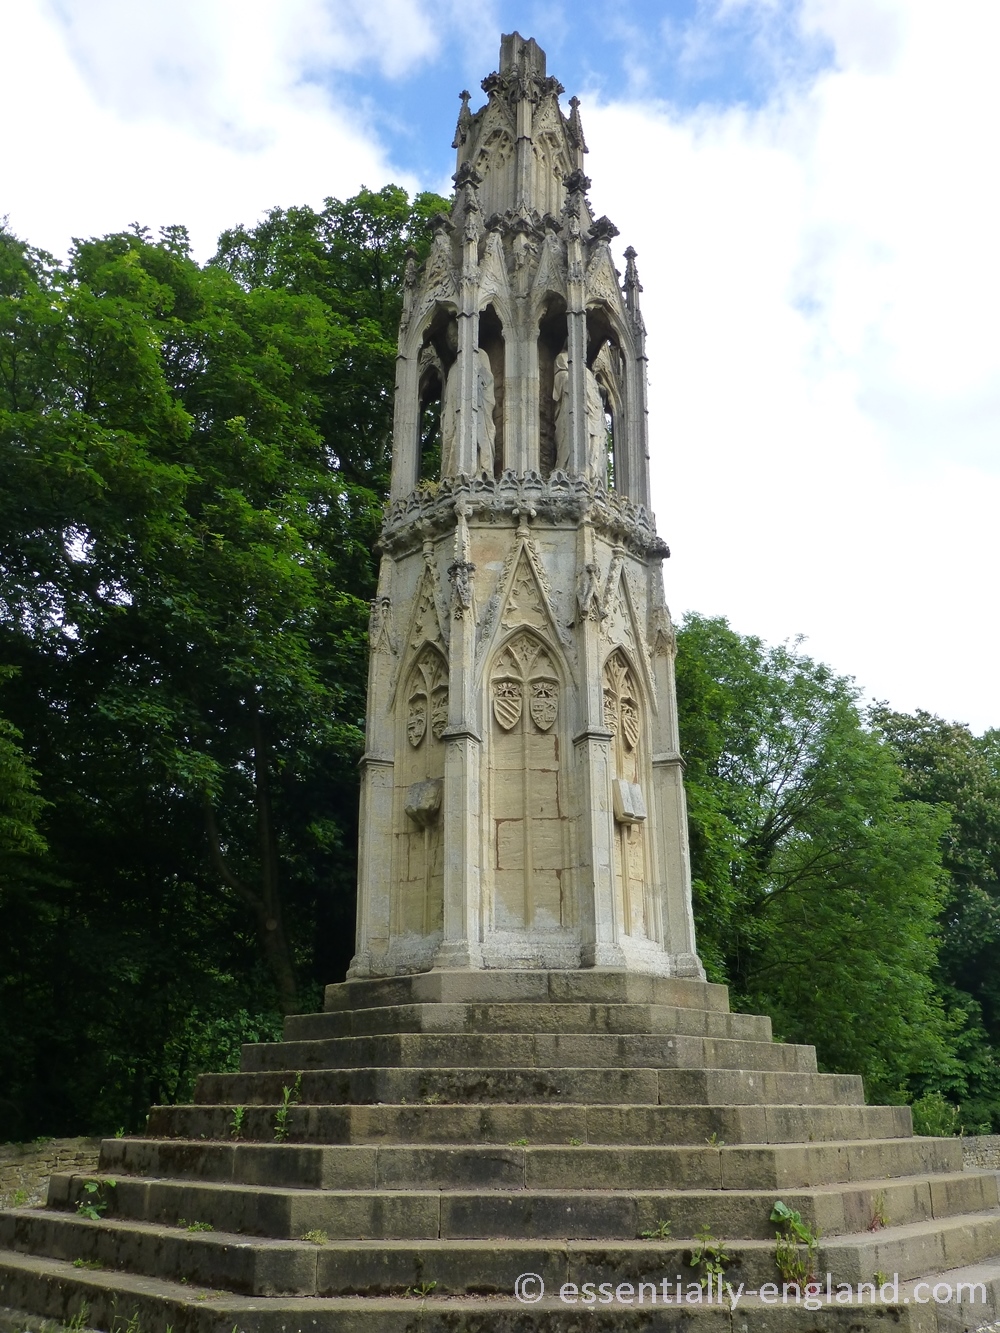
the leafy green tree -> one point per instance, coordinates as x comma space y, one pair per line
817, 889
946, 766
194, 476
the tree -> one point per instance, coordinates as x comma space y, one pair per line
187, 559
817, 889
946, 766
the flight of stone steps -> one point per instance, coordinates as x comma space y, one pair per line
402, 1158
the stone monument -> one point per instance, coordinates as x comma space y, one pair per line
523, 803
526, 1104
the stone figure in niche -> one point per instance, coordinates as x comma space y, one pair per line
485, 404
486, 431
597, 426
597, 429
450, 402
560, 395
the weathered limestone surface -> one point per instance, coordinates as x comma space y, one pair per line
523, 804
398, 1160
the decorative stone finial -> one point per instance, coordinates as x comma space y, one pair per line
464, 121
603, 230
632, 284
576, 125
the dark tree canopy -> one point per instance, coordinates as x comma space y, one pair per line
195, 461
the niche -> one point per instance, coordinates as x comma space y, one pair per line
552, 335
491, 341
531, 837
437, 355
623, 717
606, 363
419, 849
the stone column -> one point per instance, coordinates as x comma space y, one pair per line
669, 801
601, 915
576, 324
377, 786
460, 945
637, 410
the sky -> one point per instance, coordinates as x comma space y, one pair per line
810, 185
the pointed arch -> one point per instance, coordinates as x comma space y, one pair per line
418, 851
531, 834
626, 717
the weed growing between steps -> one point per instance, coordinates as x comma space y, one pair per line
709, 1258
290, 1095
796, 1247
93, 1203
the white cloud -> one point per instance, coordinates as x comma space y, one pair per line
821, 280
194, 112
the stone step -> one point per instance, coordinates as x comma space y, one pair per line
914, 1249
528, 1050
616, 1019
586, 1086
287, 1213
384, 1267
57, 1290
778, 1167
591, 986
529, 1123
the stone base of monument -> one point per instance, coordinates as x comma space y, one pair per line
402, 1158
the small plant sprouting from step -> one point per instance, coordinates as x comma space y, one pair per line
80, 1320
519, 1143
709, 1258
795, 1247
316, 1237
433, 1099
423, 1290
17, 1200
576, 1143
714, 1141
196, 1226
880, 1278
88, 1263
120, 1132
880, 1218
290, 1095
93, 1202
661, 1231
236, 1124
130, 1325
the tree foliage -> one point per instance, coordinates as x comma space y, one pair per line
195, 461
817, 887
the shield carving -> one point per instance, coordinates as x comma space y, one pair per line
507, 703
630, 723
544, 704
416, 719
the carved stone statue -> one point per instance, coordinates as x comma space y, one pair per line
597, 426
486, 431
485, 405
560, 395
597, 429
450, 402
